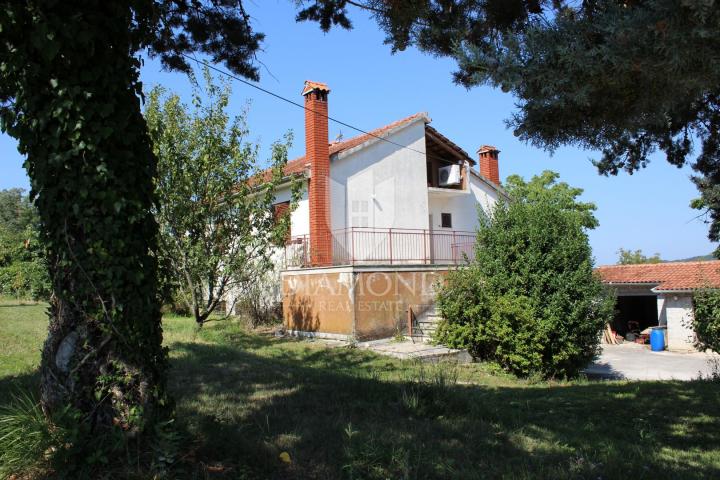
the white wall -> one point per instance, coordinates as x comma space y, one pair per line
300, 217
385, 183
676, 311
463, 207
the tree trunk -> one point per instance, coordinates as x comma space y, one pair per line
91, 167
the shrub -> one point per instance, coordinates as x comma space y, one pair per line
33, 446
529, 299
706, 305
260, 299
25, 279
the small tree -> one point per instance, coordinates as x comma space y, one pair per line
217, 228
632, 257
529, 299
706, 304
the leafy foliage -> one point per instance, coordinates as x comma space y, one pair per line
16, 211
631, 257
217, 227
706, 321
23, 272
75, 112
70, 94
529, 299
628, 78
261, 300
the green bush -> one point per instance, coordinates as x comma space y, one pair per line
706, 304
23, 270
25, 279
529, 299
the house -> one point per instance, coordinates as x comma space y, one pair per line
382, 218
660, 294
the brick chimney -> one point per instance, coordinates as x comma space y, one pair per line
489, 163
317, 154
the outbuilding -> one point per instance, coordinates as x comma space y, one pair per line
660, 294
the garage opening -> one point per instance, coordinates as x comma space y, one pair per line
635, 313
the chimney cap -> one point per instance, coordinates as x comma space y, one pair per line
311, 86
487, 148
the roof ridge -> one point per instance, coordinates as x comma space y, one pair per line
376, 132
693, 262
372, 133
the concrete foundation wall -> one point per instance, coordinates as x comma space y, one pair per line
359, 302
320, 302
382, 300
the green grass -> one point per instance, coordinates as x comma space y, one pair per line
22, 330
244, 398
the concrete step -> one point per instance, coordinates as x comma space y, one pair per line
416, 350
420, 338
426, 321
424, 333
427, 324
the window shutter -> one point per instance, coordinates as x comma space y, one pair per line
279, 211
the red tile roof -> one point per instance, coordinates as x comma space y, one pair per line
449, 143
667, 276
299, 164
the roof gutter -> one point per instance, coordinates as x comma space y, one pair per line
284, 182
675, 290
381, 137
490, 184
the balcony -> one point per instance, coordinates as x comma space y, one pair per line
387, 246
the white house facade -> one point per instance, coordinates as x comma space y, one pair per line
382, 218
402, 194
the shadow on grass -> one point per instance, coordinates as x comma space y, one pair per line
241, 408
12, 385
16, 305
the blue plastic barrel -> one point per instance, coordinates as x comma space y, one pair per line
657, 339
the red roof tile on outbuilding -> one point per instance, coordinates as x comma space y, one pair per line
667, 276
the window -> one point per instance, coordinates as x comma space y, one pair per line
359, 217
446, 220
279, 211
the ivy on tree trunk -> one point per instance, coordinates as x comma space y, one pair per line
71, 96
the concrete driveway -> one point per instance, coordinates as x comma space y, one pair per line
637, 362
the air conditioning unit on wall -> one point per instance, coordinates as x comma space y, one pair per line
449, 175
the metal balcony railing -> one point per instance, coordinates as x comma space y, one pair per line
387, 246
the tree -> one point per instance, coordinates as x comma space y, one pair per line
16, 211
706, 322
529, 299
23, 272
70, 94
627, 78
632, 257
218, 230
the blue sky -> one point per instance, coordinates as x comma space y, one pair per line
370, 87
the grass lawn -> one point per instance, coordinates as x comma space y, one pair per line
243, 398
